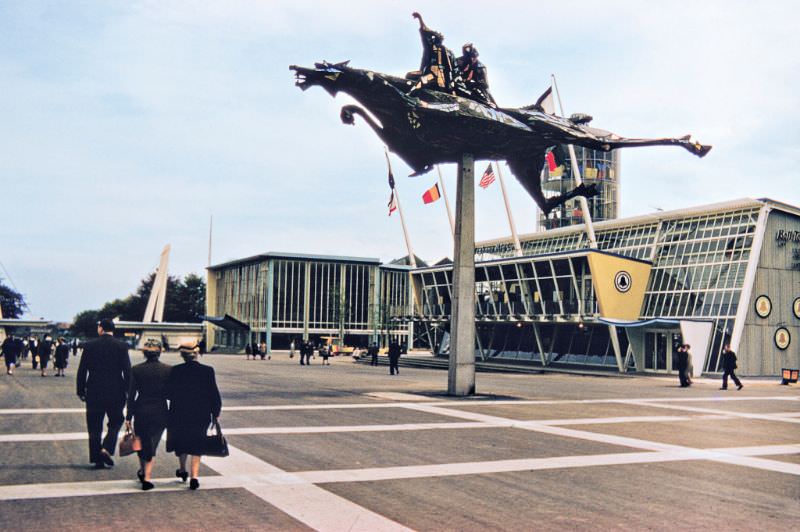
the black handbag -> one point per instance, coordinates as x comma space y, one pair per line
215, 444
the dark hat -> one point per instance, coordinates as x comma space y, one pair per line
107, 325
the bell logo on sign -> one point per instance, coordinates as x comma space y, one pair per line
763, 306
782, 338
622, 281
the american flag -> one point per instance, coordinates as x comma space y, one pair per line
487, 178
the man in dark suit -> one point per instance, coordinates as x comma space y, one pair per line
394, 358
373, 353
102, 383
682, 360
729, 368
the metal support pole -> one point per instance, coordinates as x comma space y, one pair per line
461, 371
514, 236
446, 202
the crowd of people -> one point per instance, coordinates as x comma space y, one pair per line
16, 349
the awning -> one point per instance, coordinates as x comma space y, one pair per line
227, 322
655, 322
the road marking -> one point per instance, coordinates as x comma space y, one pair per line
307, 503
450, 403
612, 439
446, 425
746, 415
242, 470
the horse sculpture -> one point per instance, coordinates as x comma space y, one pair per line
432, 127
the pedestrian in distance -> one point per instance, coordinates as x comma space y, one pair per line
25, 350
74, 347
681, 358
325, 352
291, 348
394, 358
33, 345
147, 407
44, 350
61, 358
689, 365
102, 382
262, 350
194, 404
11, 350
729, 368
373, 353
247, 351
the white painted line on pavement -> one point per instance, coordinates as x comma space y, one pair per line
246, 471
307, 503
746, 415
611, 439
449, 403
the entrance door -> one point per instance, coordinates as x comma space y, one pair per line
659, 355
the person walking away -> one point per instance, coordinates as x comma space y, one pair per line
325, 352
394, 358
74, 347
247, 351
10, 349
32, 345
682, 360
25, 349
45, 349
689, 365
62, 357
729, 368
373, 353
147, 407
102, 382
194, 403
263, 350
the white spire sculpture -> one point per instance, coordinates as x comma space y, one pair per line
155, 304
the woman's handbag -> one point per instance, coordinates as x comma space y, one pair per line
129, 443
216, 444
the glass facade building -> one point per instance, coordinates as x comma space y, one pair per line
708, 264
729, 270
280, 297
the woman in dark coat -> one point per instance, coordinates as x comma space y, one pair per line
45, 348
147, 407
62, 357
194, 403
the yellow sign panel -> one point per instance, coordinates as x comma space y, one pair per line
620, 285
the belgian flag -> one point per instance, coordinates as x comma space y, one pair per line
432, 194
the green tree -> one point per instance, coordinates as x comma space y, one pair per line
185, 302
12, 302
85, 323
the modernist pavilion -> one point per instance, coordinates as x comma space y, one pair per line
707, 276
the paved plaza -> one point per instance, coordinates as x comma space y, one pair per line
348, 447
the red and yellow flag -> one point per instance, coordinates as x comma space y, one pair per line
432, 194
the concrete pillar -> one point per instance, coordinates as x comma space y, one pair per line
461, 372
270, 290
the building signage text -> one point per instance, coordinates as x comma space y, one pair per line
784, 237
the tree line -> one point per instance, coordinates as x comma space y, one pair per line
185, 302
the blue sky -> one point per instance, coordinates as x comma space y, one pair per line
125, 125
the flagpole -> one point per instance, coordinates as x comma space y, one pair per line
514, 235
576, 174
411, 259
446, 202
210, 228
